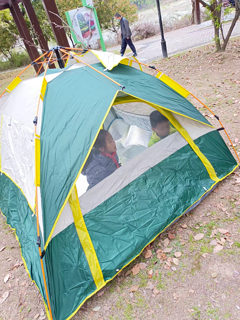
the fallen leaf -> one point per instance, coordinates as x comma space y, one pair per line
198, 236
155, 291
148, 254
100, 293
177, 254
156, 273
175, 296
237, 181
167, 267
223, 231
162, 256
167, 250
214, 232
168, 263
4, 296
36, 316
176, 261
96, 308
150, 285
2, 249
217, 248
135, 270
142, 265
213, 243
128, 272
150, 273
184, 226
221, 241
134, 288
166, 242
171, 236
6, 278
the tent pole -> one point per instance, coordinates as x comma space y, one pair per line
25, 70
73, 55
41, 254
220, 124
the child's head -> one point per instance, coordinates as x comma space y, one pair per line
160, 124
105, 142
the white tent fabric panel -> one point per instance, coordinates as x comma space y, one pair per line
66, 218
21, 103
17, 154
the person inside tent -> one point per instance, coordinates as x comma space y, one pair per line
160, 126
103, 159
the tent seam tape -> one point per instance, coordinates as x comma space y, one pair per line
24, 262
149, 243
32, 208
70, 191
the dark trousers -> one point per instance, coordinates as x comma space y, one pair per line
126, 42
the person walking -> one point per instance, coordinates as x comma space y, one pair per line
126, 35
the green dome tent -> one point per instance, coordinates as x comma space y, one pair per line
48, 127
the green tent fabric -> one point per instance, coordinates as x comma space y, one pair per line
88, 238
85, 112
57, 104
19, 216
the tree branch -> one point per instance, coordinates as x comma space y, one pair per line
204, 4
237, 14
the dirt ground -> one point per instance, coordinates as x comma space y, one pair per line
198, 274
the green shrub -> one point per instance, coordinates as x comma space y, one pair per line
17, 60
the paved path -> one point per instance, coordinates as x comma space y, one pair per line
178, 40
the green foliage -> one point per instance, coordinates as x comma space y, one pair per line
8, 33
107, 9
141, 3
17, 60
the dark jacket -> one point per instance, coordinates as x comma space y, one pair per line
125, 30
98, 167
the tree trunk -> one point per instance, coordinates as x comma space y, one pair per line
193, 12
216, 18
237, 14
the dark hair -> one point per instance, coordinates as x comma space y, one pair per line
101, 139
117, 15
156, 117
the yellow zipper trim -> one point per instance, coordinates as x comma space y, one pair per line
85, 240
